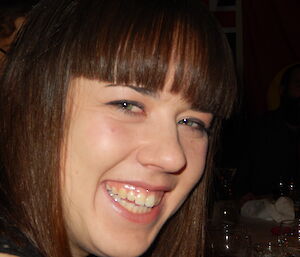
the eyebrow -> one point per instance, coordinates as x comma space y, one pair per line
141, 90
195, 108
149, 92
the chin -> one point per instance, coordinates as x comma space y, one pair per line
123, 250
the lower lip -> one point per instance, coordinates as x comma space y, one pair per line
144, 218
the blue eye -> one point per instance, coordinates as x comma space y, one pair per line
130, 107
196, 125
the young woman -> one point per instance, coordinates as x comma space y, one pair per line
110, 115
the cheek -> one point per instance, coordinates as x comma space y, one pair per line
95, 147
96, 142
196, 152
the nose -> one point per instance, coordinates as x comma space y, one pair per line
161, 150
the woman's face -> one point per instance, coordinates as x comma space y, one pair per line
132, 157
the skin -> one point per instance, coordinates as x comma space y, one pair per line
144, 144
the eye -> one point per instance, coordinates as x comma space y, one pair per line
129, 107
195, 125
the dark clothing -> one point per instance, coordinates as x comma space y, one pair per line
272, 154
14, 242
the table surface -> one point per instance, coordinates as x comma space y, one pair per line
259, 230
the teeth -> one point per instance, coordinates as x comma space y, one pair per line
114, 190
130, 196
117, 198
122, 193
150, 200
135, 209
133, 200
140, 199
132, 207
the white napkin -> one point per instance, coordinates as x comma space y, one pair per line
282, 209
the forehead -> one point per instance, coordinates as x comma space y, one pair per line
162, 53
181, 90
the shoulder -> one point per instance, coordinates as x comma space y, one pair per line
14, 243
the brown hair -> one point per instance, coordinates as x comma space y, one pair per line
123, 41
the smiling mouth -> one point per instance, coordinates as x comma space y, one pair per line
134, 199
